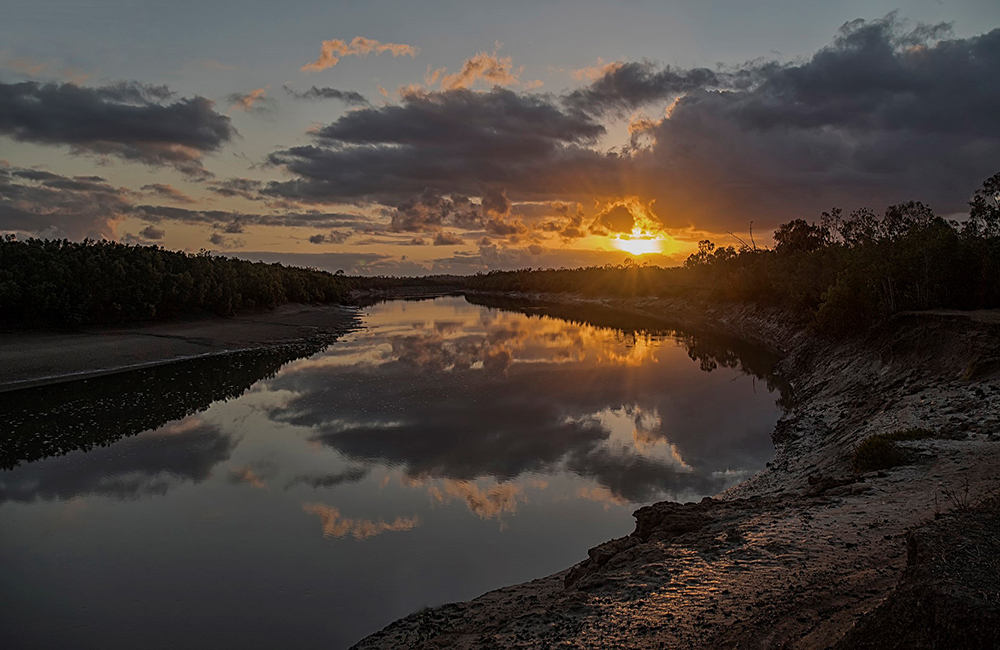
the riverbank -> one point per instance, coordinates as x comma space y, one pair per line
808, 553
32, 358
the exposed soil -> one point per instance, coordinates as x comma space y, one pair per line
36, 358
805, 554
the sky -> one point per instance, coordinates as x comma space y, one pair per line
460, 137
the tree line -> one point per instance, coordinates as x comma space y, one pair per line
842, 274
63, 283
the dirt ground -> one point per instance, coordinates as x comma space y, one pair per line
35, 358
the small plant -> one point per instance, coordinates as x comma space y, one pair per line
881, 451
960, 499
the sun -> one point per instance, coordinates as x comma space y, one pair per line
638, 244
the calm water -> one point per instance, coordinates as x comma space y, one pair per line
295, 498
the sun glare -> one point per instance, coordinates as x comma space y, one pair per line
638, 245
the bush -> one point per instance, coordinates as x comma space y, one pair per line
881, 451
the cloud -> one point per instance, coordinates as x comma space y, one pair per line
336, 525
151, 232
246, 188
448, 239
624, 87
332, 51
166, 191
488, 68
253, 101
349, 97
595, 72
226, 243
488, 503
31, 68
129, 121
235, 222
456, 141
38, 202
886, 113
147, 464
615, 219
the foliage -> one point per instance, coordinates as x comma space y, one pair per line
63, 283
843, 274
881, 451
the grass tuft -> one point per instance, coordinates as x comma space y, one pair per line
881, 451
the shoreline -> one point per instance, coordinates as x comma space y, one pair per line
806, 553
41, 358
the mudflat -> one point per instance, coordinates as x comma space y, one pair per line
35, 358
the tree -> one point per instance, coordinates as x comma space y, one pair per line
984, 213
798, 235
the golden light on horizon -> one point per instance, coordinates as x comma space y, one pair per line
638, 244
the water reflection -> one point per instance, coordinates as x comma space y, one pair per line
53, 420
458, 393
306, 497
142, 466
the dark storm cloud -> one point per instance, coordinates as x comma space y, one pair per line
349, 97
459, 141
38, 201
885, 113
628, 86
132, 468
130, 121
881, 116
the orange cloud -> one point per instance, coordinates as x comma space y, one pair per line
487, 504
334, 525
603, 495
33, 68
246, 474
246, 102
332, 51
490, 68
595, 72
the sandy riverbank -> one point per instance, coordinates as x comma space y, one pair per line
36, 358
806, 554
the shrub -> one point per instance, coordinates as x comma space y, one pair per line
881, 451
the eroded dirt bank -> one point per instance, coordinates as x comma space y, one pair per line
807, 554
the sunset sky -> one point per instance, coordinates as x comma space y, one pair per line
456, 137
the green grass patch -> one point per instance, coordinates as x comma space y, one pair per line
881, 451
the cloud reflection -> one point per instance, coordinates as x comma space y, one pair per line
451, 392
335, 525
147, 464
